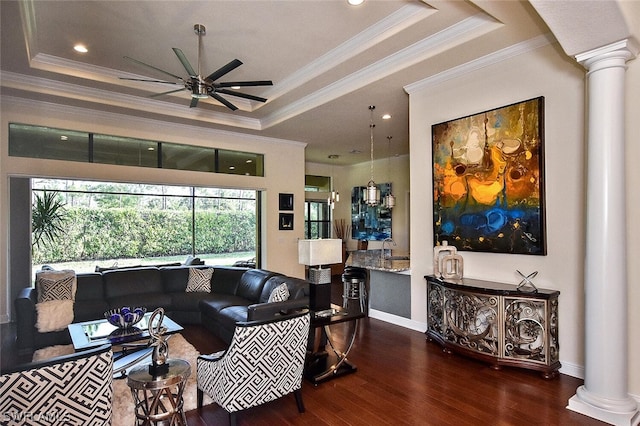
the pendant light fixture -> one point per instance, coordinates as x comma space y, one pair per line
334, 196
372, 192
389, 199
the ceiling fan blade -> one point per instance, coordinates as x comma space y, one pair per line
224, 70
185, 62
153, 68
149, 81
245, 83
223, 101
166, 93
241, 95
194, 103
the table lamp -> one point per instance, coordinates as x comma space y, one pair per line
315, 253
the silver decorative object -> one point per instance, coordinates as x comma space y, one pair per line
447, 263
451, 266
158, 341
526, 284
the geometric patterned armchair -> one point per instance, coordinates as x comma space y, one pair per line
74, 389
264, 362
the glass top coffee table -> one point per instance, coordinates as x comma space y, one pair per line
88, 334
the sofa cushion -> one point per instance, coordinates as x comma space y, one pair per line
174, 278
211, 307
151, 301
125, 282
297, 287
226, 279
199, 280
135, 287
88, 310
90, 303
188, 301
233, 314
89, 287
251, 284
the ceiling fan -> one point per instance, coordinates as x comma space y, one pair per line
202, 88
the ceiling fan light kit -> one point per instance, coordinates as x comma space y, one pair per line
202, 88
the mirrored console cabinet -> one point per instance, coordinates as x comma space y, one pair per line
495, 322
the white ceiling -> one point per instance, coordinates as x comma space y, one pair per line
329, 61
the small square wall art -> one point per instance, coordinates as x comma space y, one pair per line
488, 180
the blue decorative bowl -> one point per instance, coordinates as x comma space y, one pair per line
125, 317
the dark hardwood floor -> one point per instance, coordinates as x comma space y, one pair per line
402, 379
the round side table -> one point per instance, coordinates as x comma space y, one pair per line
159, 398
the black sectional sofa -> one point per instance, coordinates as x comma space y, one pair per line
237, 294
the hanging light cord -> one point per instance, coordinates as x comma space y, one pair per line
371, 126
389, 158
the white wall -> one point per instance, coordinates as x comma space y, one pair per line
279, 247
346, 177
543, 72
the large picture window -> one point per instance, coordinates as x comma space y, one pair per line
108, 224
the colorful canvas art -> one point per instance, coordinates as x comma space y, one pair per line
488, 180
370, 223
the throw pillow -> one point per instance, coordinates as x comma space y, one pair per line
56, 294
199, 280
279, 294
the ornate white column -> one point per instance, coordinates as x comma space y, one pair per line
604, 394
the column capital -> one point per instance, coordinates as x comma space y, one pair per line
614, 54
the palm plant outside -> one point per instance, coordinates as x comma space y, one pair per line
47, 218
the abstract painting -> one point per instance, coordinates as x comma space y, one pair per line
370, 223
488, 180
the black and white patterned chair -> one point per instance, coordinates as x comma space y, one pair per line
264, 362
74, 389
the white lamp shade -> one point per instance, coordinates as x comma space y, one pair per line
320, 252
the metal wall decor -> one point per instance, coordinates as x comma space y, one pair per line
488, 180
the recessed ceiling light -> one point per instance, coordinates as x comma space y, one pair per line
232, 168
151, 148
64, 138
235, 87
249, 161
386, 116
81, 48
355, 2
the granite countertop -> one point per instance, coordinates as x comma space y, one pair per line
394, 260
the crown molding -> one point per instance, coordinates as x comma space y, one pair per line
411, 55
391, 25
483, 62
115, 120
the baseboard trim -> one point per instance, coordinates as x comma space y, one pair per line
568, 368
398, 320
